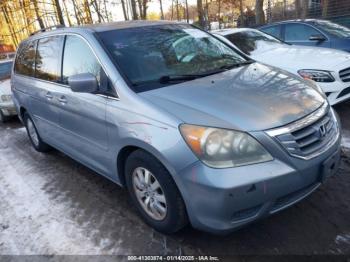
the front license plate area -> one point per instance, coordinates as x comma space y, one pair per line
330, 166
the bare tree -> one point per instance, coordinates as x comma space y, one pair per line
259, 12
59, 12
38, 17
161, 9
325, 4
133, 9
187, 15
125, 13
200, 13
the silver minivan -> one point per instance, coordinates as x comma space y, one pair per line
195, 130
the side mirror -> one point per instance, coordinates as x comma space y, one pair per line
83, 83
319, 38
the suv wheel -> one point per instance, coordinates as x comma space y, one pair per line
154, 193
33, 135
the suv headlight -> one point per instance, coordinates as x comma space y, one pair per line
5, 98
223, 148
316, 75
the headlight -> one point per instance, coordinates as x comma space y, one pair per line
223, 148
6, 98
316, 87
316, 75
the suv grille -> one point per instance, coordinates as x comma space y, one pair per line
307, 139
345, 75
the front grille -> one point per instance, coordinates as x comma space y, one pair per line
309, 138
345, 75
344, 92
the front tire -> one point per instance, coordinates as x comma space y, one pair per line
154, 193
34, 137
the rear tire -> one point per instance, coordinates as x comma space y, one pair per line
165, 209
34, 137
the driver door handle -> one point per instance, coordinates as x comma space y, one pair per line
49, 96
63, 100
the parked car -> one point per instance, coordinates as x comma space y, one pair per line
329, 68
193, 128
311, 32
7, 108
7, 56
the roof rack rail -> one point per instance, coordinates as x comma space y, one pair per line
48, 29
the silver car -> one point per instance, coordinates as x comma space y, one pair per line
7, 108
196, 131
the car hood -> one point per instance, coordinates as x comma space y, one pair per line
5, 87
250, 98
300, 57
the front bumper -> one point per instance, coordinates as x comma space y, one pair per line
8, 108
222, 200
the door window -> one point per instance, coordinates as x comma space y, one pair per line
78, 58
25, 60
299, 32
48, 58
273, 30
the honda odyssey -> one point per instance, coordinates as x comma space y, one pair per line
194, 129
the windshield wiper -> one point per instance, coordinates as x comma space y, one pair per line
235, 65
176, 78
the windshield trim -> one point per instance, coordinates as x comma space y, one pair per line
126, 79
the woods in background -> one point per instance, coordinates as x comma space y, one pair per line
20, 18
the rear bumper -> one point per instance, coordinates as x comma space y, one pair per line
8, 108
223, 200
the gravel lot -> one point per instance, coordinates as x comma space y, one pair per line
51, 204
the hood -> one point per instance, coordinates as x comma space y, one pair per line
250, 98
299, 57
5, 87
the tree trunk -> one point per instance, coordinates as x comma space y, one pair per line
161, 9
241, 13
133, 9
259, 12
219, 11
172, 9
187, 15
144, 9
177, 10
59, 12
126, 17
200, 13
38, 17
305, 9
106, 11
87, 12
66, 12
98, 11
325, 4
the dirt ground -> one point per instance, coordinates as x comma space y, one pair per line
51, 204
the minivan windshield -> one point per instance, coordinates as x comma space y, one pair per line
155, 56
5, 70
334, 29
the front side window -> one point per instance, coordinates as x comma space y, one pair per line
273, 30
48, 58
78, 59
5, 70
299, 32
151, 56
25, 60
249, 41
334, 29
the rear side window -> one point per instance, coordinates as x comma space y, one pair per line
48, 58
25, 60
273, 30
299, 32
78, 58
